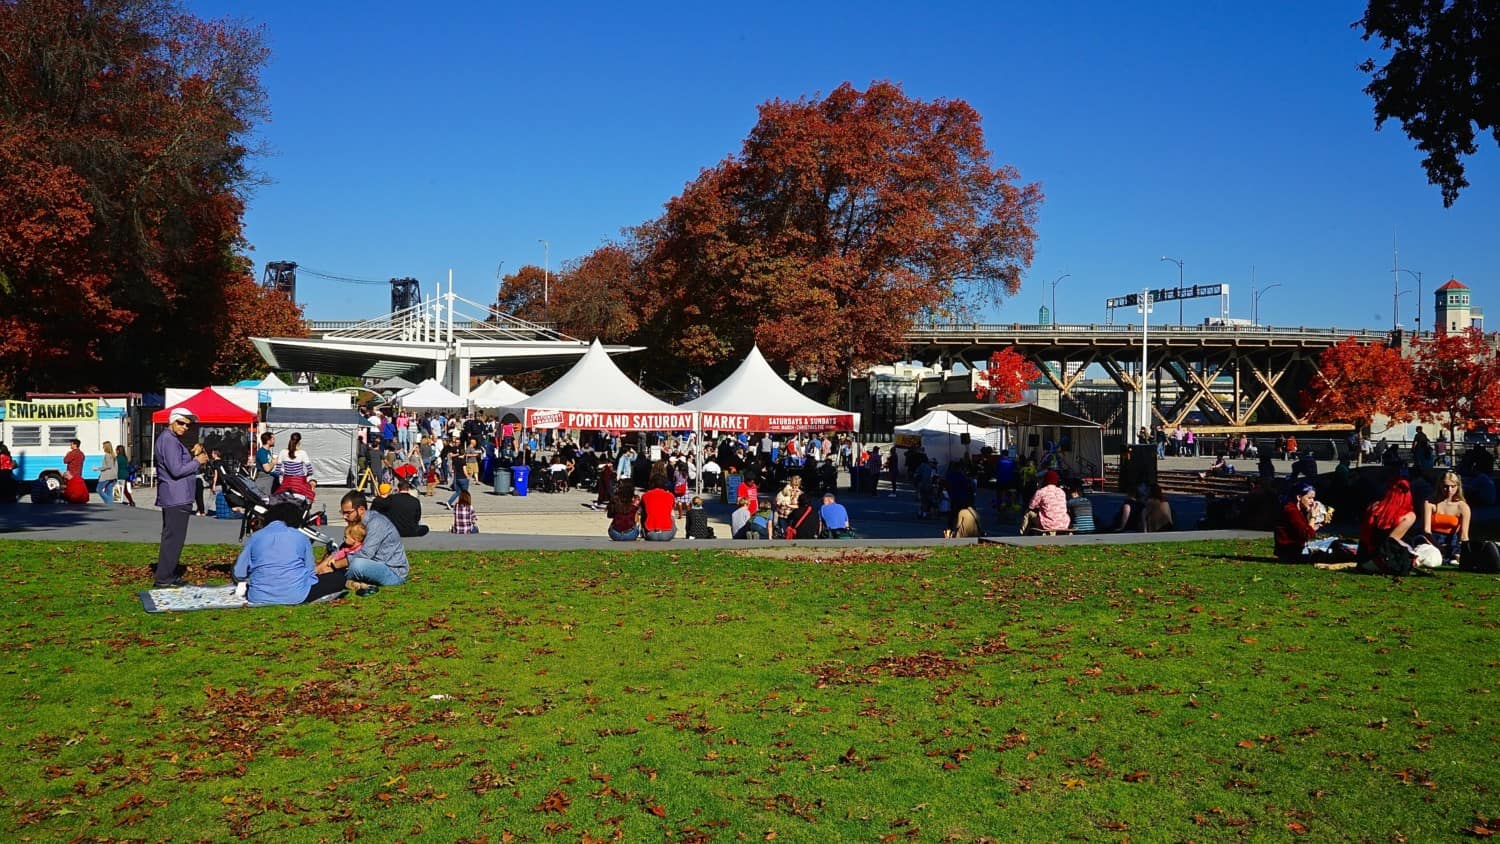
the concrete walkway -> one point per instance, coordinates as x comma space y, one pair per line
563, 521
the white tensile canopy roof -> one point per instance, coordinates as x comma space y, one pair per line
495, 394
429, 395
596, 396
755, 398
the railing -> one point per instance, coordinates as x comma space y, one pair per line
326, 325
1154, 330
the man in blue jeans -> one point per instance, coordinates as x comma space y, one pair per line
381, 560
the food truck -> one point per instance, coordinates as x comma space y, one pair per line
39, 428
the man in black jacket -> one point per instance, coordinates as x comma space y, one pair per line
402, 508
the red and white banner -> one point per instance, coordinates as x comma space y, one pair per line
773, 423
589, 420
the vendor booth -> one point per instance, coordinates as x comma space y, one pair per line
754, 398
429, 395
944, 438
1069, 444
330, 433
494, 394
222, 424
596, 396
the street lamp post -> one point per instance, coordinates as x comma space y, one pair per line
1255, 301
1144, 308
546, 270
1054, 296
1178, 262
1399, 294
1418, 275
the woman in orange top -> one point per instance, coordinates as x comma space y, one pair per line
1445, 520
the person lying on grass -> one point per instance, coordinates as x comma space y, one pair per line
277, 563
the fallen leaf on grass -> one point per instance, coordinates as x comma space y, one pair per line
555, 801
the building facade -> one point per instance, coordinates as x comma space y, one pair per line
1455, 312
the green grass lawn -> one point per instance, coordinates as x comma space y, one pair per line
1155, 693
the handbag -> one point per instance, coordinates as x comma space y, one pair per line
791, 530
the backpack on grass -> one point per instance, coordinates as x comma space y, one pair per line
1481, 556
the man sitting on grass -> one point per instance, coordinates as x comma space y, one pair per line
834, 518
381, 561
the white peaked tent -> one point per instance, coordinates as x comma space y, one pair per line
492, 394
940, 434
755, 398
596, 396
429, 395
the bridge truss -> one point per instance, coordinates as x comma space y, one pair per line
1238, 377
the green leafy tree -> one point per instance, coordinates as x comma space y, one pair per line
1442, 79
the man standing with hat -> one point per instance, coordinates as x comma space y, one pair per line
176, 476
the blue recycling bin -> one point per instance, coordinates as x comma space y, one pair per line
732, 488
520, 479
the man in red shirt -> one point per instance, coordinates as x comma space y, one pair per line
660, 524
73, 460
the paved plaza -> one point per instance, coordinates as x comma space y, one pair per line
563, 521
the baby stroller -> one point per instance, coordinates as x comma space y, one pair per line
240, 491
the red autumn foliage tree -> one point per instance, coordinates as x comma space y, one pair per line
840, 221
1355, 382
590, 300
1454, 379
123, 164
526, 294
1006, 376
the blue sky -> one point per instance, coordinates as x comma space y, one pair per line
410, 139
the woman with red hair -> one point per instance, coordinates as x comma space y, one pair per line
1389, 518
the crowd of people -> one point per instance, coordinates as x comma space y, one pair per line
653, 489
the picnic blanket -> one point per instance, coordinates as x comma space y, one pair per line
189, 598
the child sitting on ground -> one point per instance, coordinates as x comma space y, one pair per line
463, 515
354, 539
697, 520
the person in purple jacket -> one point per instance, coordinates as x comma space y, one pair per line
176, 477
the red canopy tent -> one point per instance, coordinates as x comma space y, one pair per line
210, 408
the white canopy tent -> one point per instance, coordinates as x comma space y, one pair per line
493, 394
596, 396
1078, 444
329, 435
940, 435
429, 395
755, 398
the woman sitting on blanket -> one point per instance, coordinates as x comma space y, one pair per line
1297, 526
277, 563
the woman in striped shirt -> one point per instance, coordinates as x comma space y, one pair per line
296, 468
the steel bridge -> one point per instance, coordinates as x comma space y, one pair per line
1231, 374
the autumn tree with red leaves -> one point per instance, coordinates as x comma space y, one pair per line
525, 294
1006, 376
586, 298
841, 221
592, 301
1454, 378
1355, 382
124, 127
